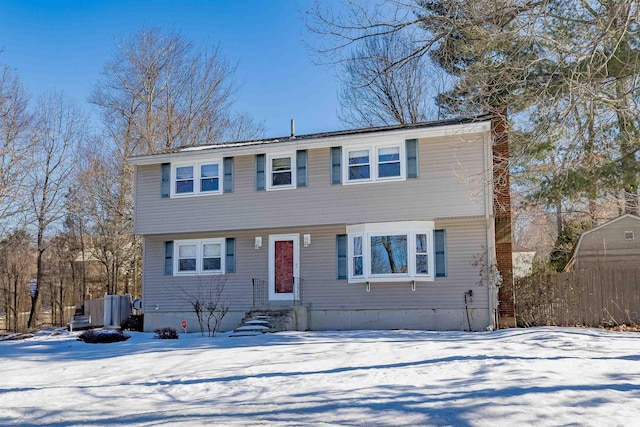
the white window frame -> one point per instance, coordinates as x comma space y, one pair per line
408, 228
351, 253
175, 178
373, 163
199, 243
400, 154
197, 178
348, 166
219, 177
430, 252
269, 171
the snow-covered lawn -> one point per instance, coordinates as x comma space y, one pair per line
538, 376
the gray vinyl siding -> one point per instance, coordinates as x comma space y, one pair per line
450, 184
607, 247
466, 238
172, 293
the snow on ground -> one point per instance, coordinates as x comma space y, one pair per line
538, 376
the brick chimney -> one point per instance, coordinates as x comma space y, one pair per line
502, 212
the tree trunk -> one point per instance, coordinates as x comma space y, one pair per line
16, 280
39, 275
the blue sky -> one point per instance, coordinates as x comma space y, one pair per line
62, 45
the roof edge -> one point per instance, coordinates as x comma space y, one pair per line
313, 136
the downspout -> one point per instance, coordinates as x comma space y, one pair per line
490, 225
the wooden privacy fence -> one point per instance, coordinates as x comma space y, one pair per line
594, 297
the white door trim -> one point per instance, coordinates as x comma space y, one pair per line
273, 238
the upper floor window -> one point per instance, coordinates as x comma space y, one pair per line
197, 178
281, 171
209, 178
389, 162
359, 166
184, 180
376, 163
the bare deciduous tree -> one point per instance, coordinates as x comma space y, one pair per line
376, 93
59, 128
16, 266
15, 120
160, 92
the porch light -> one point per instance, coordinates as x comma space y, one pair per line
306, 240
257, 244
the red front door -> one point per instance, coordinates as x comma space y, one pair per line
283, 267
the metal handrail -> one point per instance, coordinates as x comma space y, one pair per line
261, 292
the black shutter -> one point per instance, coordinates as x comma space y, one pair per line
165, 183
227, 185
341, 256
260, 178
168, 258
412, 157
230, 260
440, 245
336, 167
301, 166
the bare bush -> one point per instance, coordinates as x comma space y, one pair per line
208, 304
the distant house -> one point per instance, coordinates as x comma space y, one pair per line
374, 228
616, 243
522, 261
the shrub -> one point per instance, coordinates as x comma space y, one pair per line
103, 336
134, 322
209, 304
166, 334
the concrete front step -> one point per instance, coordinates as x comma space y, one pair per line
256, 322
268, 320
245, 334
256, 328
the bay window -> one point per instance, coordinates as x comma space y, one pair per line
357, 256
388, 252
422, 254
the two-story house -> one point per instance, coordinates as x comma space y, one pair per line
379, 228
